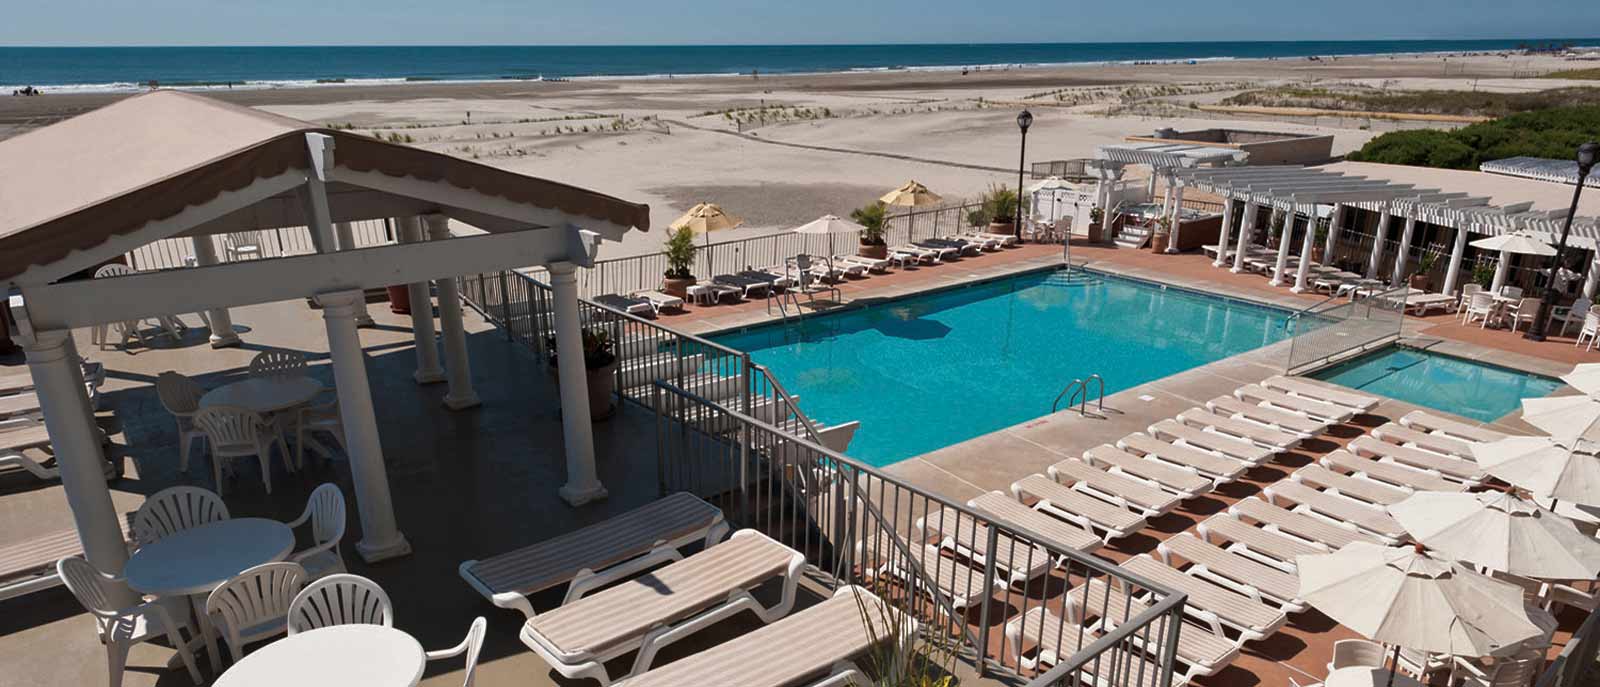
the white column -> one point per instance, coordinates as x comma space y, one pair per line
1500, 271
1591, 280
1334, 222
1177, 216
409, 230
1247, 226
1227, 231
1150, 186
1306, 245
75, 440
1404, 253
1286, 235
1380, 234
582, 484
222, 334
461, 395
380, 536
347, 241
1458, 252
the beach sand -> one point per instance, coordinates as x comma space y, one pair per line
839, 141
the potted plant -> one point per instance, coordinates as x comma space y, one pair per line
871, 218
680, 252
600, 366
1320, 240
1483, 274
1158, 241
1419, 278
977, 218
1096, 217
1000, 206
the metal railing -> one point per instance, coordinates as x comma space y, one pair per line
983, 589
1579, 662
1333, 328
172, 253
1079, 390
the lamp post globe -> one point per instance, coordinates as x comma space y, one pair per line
1024, 120
1586, 158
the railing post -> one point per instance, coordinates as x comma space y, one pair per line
982, 649
505, 305
1169, 649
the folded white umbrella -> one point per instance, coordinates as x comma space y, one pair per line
829, 224
1564, 467
1585, 378
1578, 415
1409, 599
1515, 242
1499, 531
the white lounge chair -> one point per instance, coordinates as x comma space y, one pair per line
1187, 483
1244, 430
1214, 466
1395, 474
650, 612
599, 554
1437, 443
1211, 603
1299, 525
29, 565
1232, 447
1254, 579
1062, 535
628, 304
1122, 491
1449, 467
954, 579
969, 538
661, 301
1106, 605
1327, 412
1358, 488
1424, 421
922, 255
1006, 240
1321, 391
1075, 506
1052, 639
1287, 421
1277, 550
1340, 511
879, 265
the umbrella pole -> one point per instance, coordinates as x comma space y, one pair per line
1394, 665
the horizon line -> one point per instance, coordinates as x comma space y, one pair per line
1546, 39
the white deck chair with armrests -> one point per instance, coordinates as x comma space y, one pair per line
1570, 314
119, 627
605, 552
638, 615
472, 646
341, 599
1480, 307
254, 605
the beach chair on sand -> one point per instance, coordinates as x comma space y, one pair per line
1214, 466
1366, 490
661, 301
1186, 483
1258, 434
1322, 391
817, 646
628, 304
1343, 512
1449, 467
1299, 525
1062, 535
1262, 583
597, 555
1210, 603
1075, 506
1408, 478
1312, 408
637, 615
1271, 548
1437, 443
1123, 491
1424, 421
1232, 447
1104, 605
1286, 421
969, 538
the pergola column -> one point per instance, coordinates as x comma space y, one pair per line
583, 485
1306, 246
1334, 222
380, 536
347, 241
1284, 237
1227, 231
1150, 185
409, 230
1501, 270
1403, 254
222, 334
461, 395
75, 440
1177, 215
1380, 235
1458, 253
1247, 226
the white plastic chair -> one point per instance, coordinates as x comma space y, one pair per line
240, 433
128, 328
254, 605
1467, 292
1511, 291
1590, 331
1349, 653
1480, 307
243, 245
325, 510
1570, 314
471, 646
342, 599
181, 395
121, 628
1526, 310
323, 418
175, 509
278, 363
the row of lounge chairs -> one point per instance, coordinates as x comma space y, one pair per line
22, 430
1337, 282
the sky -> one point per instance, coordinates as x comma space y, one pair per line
701, 22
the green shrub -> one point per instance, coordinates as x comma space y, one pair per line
1552, 133
1000, 204
871, 217
680, 250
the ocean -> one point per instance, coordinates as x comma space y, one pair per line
112, 69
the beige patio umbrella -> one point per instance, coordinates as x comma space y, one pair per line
1579, 415
705, 218
913, 195
1585, 378
1563, 467
1515, 242
1499, 531
1408, 599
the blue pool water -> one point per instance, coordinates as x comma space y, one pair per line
1470, 389
926, 372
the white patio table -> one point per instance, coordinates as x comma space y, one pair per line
1361, 676
336, 656
265, 395
195, 561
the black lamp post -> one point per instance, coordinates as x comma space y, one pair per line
1024, 120
1587, 154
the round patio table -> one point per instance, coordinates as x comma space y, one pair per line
195, 561
1362, 676
265, 395
335, 656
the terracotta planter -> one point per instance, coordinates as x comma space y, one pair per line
1419, 281
1316, 254
400, 300
601, 382
876, 251
677, 286
1094, 233
1158, 242
1007, 228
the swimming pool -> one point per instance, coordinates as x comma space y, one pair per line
1456, 385
933, 370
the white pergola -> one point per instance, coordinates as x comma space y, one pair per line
1165, 161
1292, 189
166, 164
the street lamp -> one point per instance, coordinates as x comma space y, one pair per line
1587, 154
1024, 120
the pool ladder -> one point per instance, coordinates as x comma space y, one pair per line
1078, 392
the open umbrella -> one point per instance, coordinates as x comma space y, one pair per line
1515, 242
829, 225
1499, 531
1563, 467
1408, 599
1571, 415
1585, 378
911, 195
705, 218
